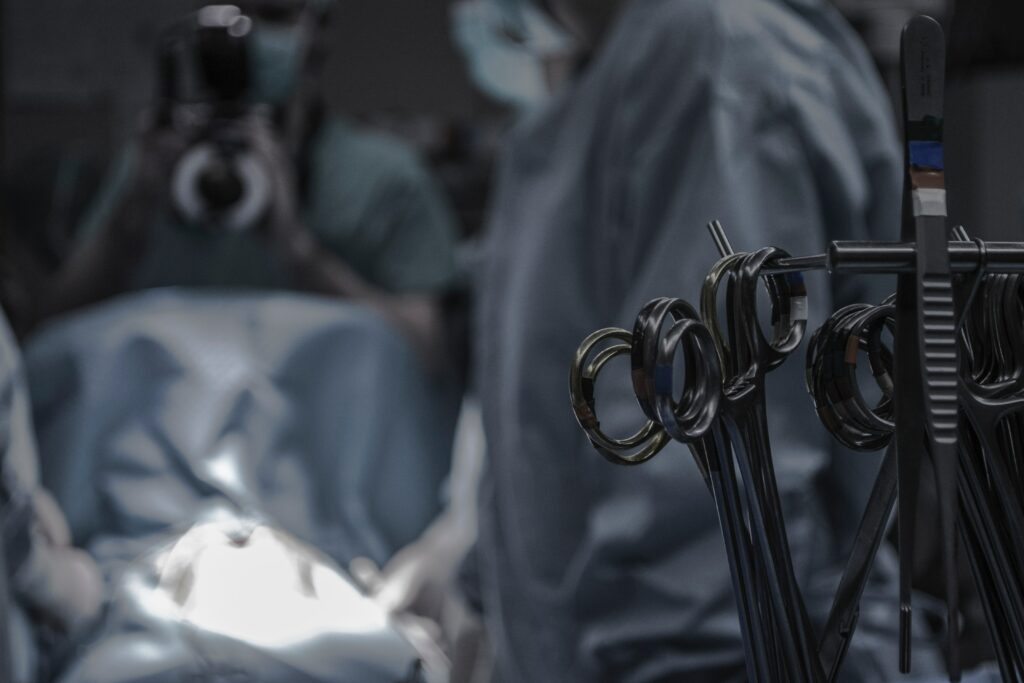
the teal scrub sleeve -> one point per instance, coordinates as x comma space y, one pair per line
420, 255
374, 204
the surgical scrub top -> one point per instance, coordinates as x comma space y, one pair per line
769, 116
370, 201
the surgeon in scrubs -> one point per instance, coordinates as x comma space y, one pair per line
352, 214
639, 122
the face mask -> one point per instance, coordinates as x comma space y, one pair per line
507, 47
276, 56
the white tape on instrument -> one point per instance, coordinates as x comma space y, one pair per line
929, 202
798, 309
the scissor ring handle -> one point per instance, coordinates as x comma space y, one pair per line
638, 448
749, 352
832, 379
789, 308
690, 418
722, 271
835, 397
647, 335
993, 347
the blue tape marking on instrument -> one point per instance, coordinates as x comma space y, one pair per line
926, 154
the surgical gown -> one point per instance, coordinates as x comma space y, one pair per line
767, 115
174, 422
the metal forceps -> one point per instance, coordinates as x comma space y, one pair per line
693, 420
738, 437
992, 402
747, 356
711, 416
834, 386
926, 410
992, 405
690, 421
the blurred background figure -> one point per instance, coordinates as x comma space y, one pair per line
240, 178
641, 121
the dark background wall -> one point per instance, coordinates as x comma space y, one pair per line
78, 72
81, 70
986, 144
985, 108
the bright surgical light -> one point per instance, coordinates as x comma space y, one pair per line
261, 588
223, 466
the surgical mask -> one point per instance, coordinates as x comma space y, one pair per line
507, 47
276, 57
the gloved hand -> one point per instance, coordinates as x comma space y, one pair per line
157, 149
283, 225
60, 581
143, 180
